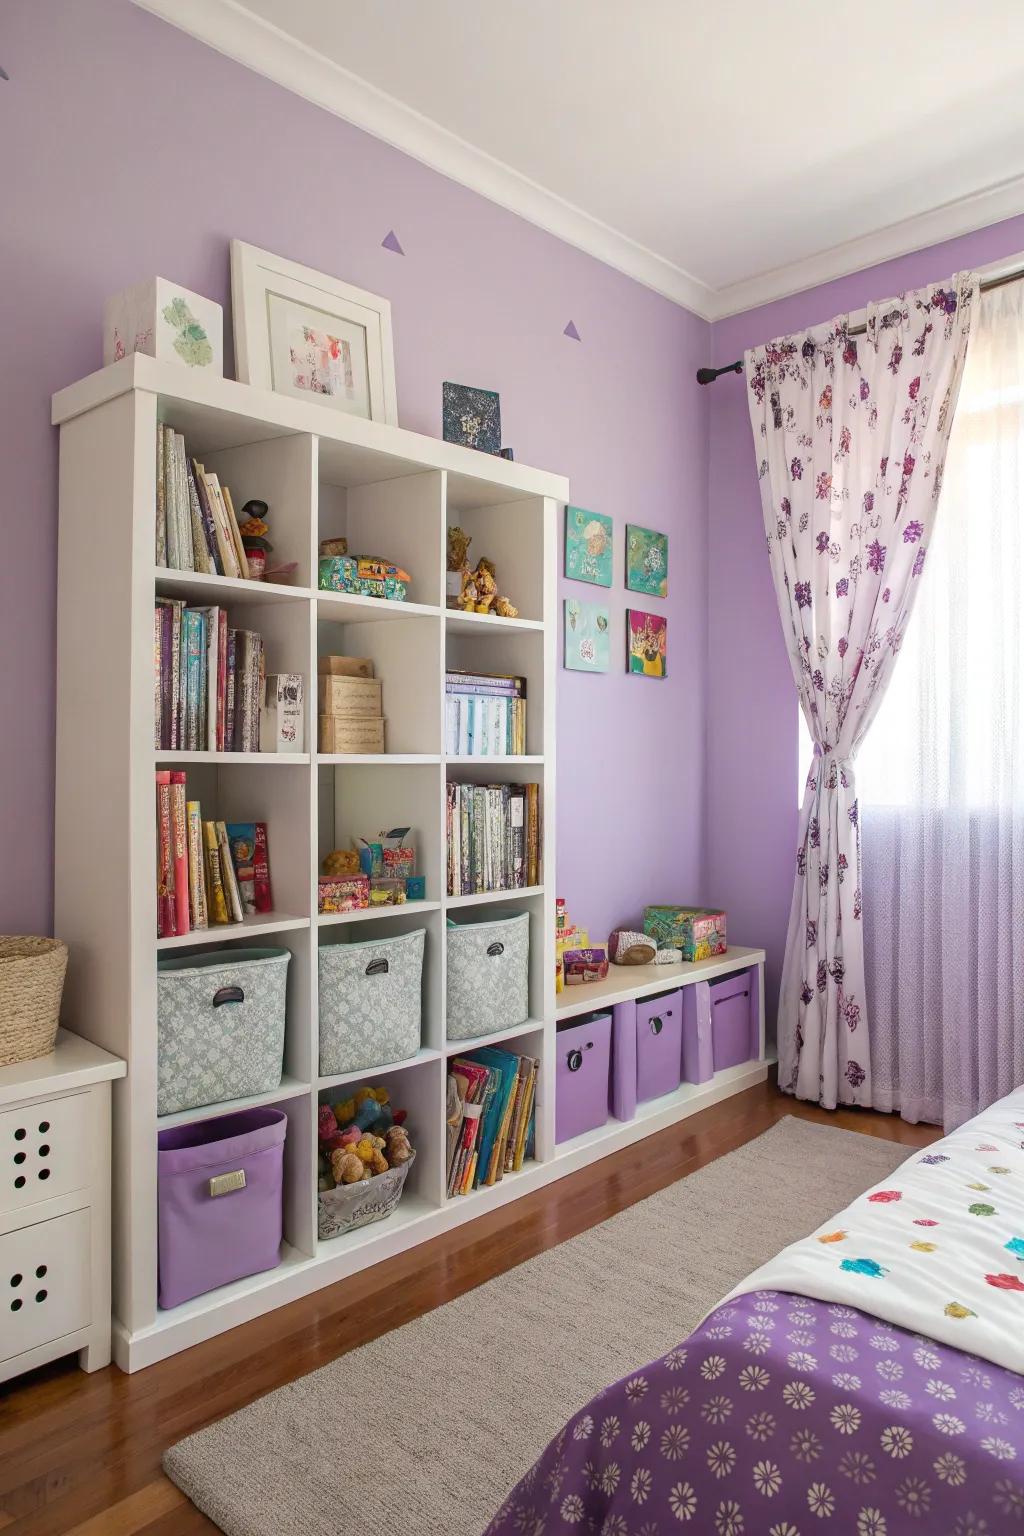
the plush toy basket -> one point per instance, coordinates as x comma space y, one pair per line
351, 1206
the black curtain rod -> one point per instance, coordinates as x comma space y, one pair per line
709, 375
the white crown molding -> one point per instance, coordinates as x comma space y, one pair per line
231, 29
960, 217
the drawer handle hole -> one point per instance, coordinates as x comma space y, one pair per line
656, 1026
20, 1133
495, 949
40, 1271
378, 967
41, 1295
44, 1126
44, 1150
16, 1304
16, 1280
19, 1157
44, 1173
19, 1182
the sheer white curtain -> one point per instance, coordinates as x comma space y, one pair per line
941, 775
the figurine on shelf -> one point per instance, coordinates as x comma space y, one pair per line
458, 566
480, 592
257, 545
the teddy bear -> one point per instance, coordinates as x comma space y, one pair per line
399, 1147
347, 1167
504, 609
342, 861
370, 1151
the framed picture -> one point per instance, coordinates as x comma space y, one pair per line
586, 636
646, 643
646, 561
588, 546
302, 333
471, 417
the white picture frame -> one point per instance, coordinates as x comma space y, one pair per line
350, 368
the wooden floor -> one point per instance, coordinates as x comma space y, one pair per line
80, 1455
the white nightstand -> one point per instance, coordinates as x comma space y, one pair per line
55, 1207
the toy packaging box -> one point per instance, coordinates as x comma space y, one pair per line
698, 932
364, 578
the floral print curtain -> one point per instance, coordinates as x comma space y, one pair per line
850, 434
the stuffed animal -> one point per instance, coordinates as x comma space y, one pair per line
347, 1168
399, 1147
370, 1151
326, 1123
504, 609
342, 861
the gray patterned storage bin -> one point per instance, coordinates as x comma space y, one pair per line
488, 971
220, 1026
370, 1002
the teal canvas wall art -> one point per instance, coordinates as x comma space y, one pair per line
588, 546
646, 561
586, 636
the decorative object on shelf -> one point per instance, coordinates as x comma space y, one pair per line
364, 576
587, 628
471, 417
478, 590
256, 543
489, 1113
588, 546
349, 706
488, 970
580, 966
485, 714
281, 716
342, 861
220, 1026
668, 957
389, 856
32, 973
627, 947
646, 561
386, 892
698, 932
343, 893
507, 453
364, 1157
165, 321
219, 1201
415, 887
370, 1002
337, 546
567, 936
458, 569
646, 643
302, 333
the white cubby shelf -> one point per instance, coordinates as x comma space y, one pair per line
390, 492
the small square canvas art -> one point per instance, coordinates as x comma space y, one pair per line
587, 628
471, 417
646, 561
646, 643
588, 546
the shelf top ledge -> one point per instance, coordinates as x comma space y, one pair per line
73, 1063
635, 981
400, 451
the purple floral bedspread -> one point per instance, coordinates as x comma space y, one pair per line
783, 1416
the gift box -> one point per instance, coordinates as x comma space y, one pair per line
697, 932
349, 696
374, 578
582, 965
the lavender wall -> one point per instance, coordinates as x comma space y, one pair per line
127, 149
752, 721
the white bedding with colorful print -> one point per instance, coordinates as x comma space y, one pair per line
938, 1248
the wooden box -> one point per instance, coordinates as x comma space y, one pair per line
167, 322
348, 696
351, 733
345, 666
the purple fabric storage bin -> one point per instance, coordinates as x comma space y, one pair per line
583, 1057
219, 1201
733, 1012
659, 1042
698, 1055
624, 1059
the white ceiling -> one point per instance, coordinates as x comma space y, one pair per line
722, 151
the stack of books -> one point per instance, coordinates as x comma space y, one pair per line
196, 526
490, 1116
493, 837
207, 872
485, 714
210, 681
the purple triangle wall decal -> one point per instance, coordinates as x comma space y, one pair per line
572, 332
391, 243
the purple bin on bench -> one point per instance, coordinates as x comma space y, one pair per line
219, 1201
583, 1048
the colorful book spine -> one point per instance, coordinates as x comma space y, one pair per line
196, 880
161, 503
179, 845
166, 911
229, 880
261, 871
217, 902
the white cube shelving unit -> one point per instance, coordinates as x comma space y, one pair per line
390, 491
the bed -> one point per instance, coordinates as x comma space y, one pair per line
866, 1380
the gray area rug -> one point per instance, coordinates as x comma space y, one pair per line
473, 1391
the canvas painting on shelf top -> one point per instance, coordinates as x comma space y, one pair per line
646, 643
646, 561
471, 417
587, 628
588, 546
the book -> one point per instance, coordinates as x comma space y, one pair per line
261, 871
216, 900
196, 883
236, 537
166, 910
490, 1111
229, 880
242, 843
179, 852
161, 503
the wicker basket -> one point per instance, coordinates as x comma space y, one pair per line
31, 983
